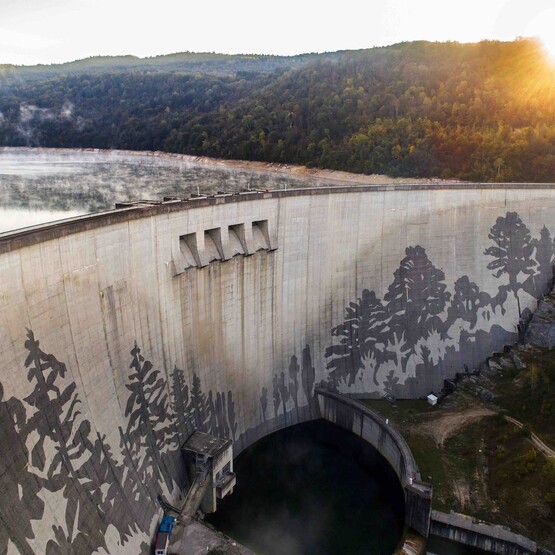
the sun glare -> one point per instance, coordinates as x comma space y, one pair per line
548, 43
542, 27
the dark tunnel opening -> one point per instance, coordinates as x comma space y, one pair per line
313, 488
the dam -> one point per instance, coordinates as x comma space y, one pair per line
124, 332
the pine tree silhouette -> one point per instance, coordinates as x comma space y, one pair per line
415, 299
149, 430
231, 415
276, 395
117, 507
198, 400
212, 424
16, 512
56, 418
308, 377
362, 335
221, 415
194, 410
264, 403
294, 370
182, 406
284, 393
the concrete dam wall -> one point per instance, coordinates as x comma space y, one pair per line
123, 332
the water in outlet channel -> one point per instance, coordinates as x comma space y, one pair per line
312, 489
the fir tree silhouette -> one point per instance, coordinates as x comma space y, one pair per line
231, 415
284, 393
512, 251
181, 404
194, 410
308, 377
16, 512
362, 335
198, 400
149, 431
56, 418
276, 395
212, 420
116, 505
221, 415
264, 403
294, 370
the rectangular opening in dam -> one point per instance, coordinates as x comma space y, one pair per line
189, 250
237, 243
213, 244
260, 235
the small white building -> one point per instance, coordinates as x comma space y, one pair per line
432, 399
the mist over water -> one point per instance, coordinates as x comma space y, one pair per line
58, 184
313, 489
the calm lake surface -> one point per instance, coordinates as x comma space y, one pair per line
38, 186
313, 489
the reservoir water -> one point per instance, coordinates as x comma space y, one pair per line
312, 489
41, 185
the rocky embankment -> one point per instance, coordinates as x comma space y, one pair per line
541, 329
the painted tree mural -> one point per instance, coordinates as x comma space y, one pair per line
512, 252
231, 415
308, 377
196, 410
363, 336
264, 403
181, 406
149, 430
467, 302
78, 464
16, 511
49, 449
418, 312
540, 281
415, 300
56, 419
294, 370
71, 459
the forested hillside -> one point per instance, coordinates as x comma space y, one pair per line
483, 112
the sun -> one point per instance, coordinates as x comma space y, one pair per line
542, 26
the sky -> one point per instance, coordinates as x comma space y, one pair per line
54, 31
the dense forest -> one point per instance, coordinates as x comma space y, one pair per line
479, 112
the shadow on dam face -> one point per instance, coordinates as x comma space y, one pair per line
313, 488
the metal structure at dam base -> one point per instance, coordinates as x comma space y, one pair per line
123, 333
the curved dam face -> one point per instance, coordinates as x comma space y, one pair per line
124, 332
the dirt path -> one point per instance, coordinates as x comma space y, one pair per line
534, 439
448, 424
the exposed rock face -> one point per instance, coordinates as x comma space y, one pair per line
541, 329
